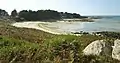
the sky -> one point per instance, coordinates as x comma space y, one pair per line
83, 7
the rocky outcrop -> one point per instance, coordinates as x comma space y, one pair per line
98, 47
116, 50
95, 48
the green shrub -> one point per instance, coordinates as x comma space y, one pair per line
11, 48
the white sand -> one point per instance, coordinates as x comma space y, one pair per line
39, 26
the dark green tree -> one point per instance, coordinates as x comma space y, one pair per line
14, 13
30, 15
3, 13
39, 15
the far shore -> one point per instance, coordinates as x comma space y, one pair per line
79, 20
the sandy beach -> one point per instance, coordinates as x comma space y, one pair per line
39, 26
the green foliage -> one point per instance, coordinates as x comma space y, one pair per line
22, 45
70, 15
110, 34
3, 13
31, 35
63, 49
11, 48
68, 48
46, 15
97, 59
14, 13
39, 15
29, 15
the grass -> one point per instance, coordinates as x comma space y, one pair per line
11, 48
31, 35
69, 49
23, 45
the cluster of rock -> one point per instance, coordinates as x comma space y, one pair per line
100, 47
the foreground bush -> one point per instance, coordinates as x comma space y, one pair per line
22, 45
12, 50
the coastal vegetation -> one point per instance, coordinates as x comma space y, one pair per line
35, 46
25, 45
110, 34
39, 15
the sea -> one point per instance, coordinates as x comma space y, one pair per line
105, 23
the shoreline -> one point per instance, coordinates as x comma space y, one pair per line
42, 26
39, 26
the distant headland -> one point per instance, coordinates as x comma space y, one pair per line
40, 15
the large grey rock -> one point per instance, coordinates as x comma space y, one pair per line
100, 47
116, 50
95, 48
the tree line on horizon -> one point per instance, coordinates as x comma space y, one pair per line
29, 15
3, 13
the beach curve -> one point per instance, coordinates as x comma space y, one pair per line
38, 26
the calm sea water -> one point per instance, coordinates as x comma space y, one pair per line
104, 24
111, 23
107, 23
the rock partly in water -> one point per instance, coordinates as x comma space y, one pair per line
95, 48
116, 50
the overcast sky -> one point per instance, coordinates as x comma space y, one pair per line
83, 7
